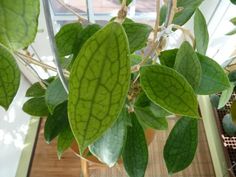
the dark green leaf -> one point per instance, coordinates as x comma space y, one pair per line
98, 84
167, 88
56, 122
36, 107
213, 79
215, 100
200, 32
55, 94
232, 76
163, 13
233, 1
188, 65
168, 57
35, 90
108, 148
64, 141
181, 145
225, 96
137, 34
19, 22
233, 111
228, 125
9, 76
135, 154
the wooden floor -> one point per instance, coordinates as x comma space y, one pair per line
46, 164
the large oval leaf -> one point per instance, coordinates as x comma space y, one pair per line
167, 88
9, 77
213, 79
181, 145
108, 148
188, 65
135, 154
99, 83
19, 22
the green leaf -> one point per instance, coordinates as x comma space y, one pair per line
188, 8
181, 145
232, 32
213, 79
170, 90
55, 94
215, 100
135, 154
19, 22
233, 111
64, 141
137, 35
135, 59
98, 84
188, 65
233, 1
168, 57
233, 20
36, 107
56, 122
163, 13
108, 148
35, 90
225, 96
232, 76
9, 77
228, 125
201, 32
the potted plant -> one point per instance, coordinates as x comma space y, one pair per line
122, 80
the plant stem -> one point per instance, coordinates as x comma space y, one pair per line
122, 13
157, 19
172, 6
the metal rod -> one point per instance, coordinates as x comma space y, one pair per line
90, 12
48, 19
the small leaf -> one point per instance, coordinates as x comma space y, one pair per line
214, 79
19, 22
98, 84
228, 125
233, 111
64, 141
168, 57
215, 100
55, 94
135, 154
181, 145
233, 20
200, 32
56, 122
137, 34
225, 96
188, 65
108, 148
232, 32
9, 76
36, 107
163, 13
232, 76
35, 90
167, 88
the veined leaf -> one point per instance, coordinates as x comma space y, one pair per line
225, 96
64, 141
168, 57
181, 145
201, 32
98, 84
188, 65
56, 122
36, 107
35, 90
167, 88
19, 22
233, 111
135, 154
228, 125
213, 79
137, 35
55, 94
9, 77
108, 148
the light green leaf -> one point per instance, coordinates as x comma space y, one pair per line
200, 32
167, 88
108, 148
9, 77
35, 90
213, 79
228, 125
168, 57
188, 8
225, 96
55, 94
233, 111
181, 145
137, 35
232, 32
19, 22
98, 84
188, 65
233, 20
56, 122
64, 141
36, 107
135, 154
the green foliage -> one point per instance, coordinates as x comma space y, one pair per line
36, 107
98, 84
232, 76
181, 144
225, 96
228, 125
127, 1
233, 1
233, 111
35, 90
135, 154
163, 13
168, 57
215, 100
170, 90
